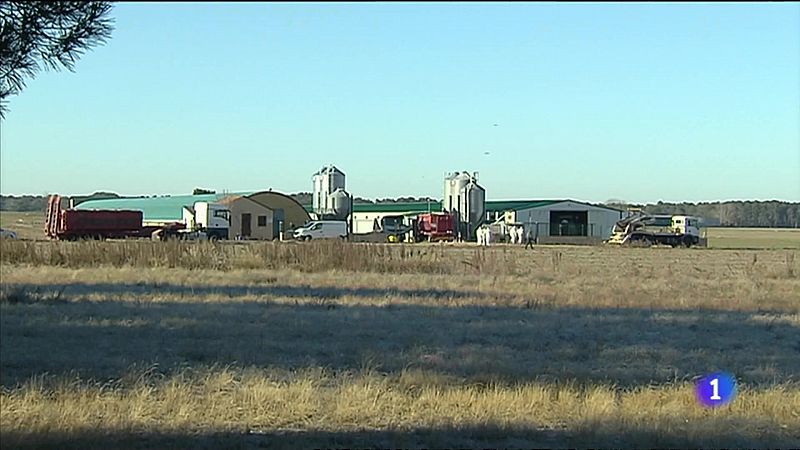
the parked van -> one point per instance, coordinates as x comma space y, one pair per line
322, 229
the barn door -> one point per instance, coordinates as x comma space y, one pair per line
246, 224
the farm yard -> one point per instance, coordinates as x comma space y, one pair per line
147, 344
30, 226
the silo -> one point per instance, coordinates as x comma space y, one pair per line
326, 181
316, 195
460, 180
448, 199
340, 203
335, 179
476, 205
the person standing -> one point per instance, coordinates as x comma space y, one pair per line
529, 239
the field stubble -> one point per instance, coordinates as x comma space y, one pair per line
200, 345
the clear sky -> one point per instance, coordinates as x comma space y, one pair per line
641, 102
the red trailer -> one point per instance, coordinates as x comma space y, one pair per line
69, 224
435, 227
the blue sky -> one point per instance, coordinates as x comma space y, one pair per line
641, 102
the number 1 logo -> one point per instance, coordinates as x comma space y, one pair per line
716, 389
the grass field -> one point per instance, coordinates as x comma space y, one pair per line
753, 238
27, 225
187, 345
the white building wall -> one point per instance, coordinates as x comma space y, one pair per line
363, 222
600, 220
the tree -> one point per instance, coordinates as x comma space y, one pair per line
49, 35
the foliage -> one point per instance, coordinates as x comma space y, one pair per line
772, 214
52, 35
25, 203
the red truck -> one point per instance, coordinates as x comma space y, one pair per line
71, 224
434, 227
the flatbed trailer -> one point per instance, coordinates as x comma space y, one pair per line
74, 224
672, 239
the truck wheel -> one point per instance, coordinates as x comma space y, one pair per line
306, 238
687, 241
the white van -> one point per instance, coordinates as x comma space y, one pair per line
322, 229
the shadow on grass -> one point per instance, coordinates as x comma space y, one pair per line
234, 291
468, 437
627, 347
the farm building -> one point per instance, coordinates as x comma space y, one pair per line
367, 216
557, 220
250, 219
255, 215
550, 220
264, 214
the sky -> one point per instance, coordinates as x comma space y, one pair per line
639, 102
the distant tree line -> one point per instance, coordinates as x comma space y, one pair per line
25, 203
773, 214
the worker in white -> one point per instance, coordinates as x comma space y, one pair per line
512, 234
487, 237
479, 235
520, 234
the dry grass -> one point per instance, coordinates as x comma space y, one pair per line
27, 225
498, 347
754, 238
306, 409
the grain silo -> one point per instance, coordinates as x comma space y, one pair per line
464, 198
330, 200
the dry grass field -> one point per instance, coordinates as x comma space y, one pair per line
754, 238
330, 345
27, 225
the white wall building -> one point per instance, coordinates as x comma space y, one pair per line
562, 218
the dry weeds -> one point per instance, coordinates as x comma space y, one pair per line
498, 347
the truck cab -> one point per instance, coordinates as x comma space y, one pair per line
213, 219
686, 225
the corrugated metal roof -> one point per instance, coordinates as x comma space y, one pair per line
164, 208
506, 205
398, 207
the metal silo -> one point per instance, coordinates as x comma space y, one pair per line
476, 205
316, 194
448, 203
326, 182
335, 179
340, 204
460, 180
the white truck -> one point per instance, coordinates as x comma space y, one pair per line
646, 230
204, 220
322, 229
